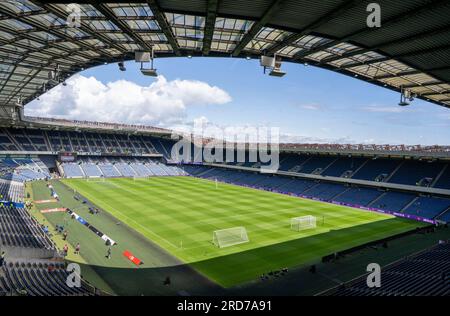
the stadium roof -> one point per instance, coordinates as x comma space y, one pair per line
410, 50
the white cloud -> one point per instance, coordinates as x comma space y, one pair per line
384, 109
162, 103
312, 106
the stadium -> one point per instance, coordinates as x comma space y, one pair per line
101, 208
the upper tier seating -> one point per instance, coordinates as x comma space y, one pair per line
289, 162
411, 172
49, 140
374, 168
343, 165
316, 163
444, 180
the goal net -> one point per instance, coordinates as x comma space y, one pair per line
303, 222
230, 237
137, 178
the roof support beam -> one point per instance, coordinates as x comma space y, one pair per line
408, 54
365, 63
317, 23
257, 26
387, 44
109, 14
410, 73
84, 27
7, 78
435, 93
398, 74
426, 84
25, 83
211, 15
44, 28
394, 20
164, 25
24, 14
37, 50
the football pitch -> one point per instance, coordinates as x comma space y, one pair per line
180, 214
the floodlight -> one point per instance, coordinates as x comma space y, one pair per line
149, 72
121, 66
276, 72
142, 57
273, 64
146, 57
405, 96
267, 61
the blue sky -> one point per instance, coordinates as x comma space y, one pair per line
313, 104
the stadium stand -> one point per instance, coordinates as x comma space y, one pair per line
429, 207
91, 169
19, 229
11, 191
72, 170
121, 167
415, 172
344, 167
359, 196
38, 278
424, 274
444, 179
393, 201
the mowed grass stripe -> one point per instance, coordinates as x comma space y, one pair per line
181, 213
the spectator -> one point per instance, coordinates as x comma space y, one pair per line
167, 281
65, 250
2, 258
77, 249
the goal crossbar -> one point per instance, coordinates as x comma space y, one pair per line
230, 237
303, 222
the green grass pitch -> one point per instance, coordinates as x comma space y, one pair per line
181, 213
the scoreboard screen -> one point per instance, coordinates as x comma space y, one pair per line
67, 156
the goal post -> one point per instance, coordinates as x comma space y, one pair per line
95, 179
303, 222
230, 237
137, 178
